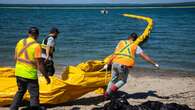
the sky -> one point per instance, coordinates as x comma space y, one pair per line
88, 1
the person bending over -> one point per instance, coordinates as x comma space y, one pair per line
122, 60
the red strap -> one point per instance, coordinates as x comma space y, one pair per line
114, 88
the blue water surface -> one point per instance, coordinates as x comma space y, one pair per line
86, 34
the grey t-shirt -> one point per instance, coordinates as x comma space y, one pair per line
139, 50
51, 42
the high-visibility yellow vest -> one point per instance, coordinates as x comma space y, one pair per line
125, 53
25, 61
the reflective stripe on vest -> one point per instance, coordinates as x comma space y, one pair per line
44, 43
24, 51
127, 47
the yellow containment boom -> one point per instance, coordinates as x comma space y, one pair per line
147, 30
75, 81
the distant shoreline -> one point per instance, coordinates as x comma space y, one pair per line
100, 6
106, 5
48, 7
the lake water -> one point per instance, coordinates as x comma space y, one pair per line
86, 34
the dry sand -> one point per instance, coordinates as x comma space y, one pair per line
143, 85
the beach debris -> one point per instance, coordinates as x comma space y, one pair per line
121, 103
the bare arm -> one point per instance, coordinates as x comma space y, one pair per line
148, 59
48, 51
50, 47
41, 68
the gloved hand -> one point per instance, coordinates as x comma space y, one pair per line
157, 66
48, 80
104, 68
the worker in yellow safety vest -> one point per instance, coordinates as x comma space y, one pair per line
28, 60
122, 60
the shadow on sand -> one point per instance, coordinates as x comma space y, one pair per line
99, 99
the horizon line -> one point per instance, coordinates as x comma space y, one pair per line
64, 8
93, 3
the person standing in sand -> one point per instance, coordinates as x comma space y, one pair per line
28, 60
48, 47
122, 60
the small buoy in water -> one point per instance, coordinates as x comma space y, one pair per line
104, 11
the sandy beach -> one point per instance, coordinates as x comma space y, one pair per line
143, 85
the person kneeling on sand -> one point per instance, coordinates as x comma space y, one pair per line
122, 60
